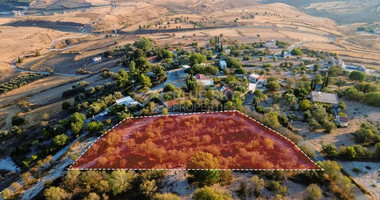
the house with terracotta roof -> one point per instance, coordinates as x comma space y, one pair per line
227, 91
171, 104
201, 78
256, 79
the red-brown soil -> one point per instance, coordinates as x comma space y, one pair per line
167, 142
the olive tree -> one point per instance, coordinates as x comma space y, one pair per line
202, 160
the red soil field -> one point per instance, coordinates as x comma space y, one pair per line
167, 142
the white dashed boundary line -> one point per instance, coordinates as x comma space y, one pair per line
181, 169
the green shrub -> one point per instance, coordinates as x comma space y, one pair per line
209, 193
17, 121
373, 99
94, 126
169, 87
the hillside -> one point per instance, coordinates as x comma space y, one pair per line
343, 12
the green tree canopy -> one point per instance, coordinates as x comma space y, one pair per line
329, 126
257, 183
94, 126
305, 105
330, 150
142, 65
233, 63
17, 120
120, 181
273, 86
202, 160
166, 54
166, 196
313, 192
377, 150
56, 193
367, 133
92, 196
60, 140
145, 81
169, 87
357, 76
144, 44
77, 122
290, 99
296, 52
196, 58
122, 79
318, 79
268, 66
209, 193
372, 98
148, 188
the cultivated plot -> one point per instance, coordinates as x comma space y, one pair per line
168, 142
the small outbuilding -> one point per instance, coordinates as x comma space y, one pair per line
342, 121
201, 78
128, 101
222, 64
96, 59
256, 79
323, 97
270, 44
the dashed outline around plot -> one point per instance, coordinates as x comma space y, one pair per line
304, 163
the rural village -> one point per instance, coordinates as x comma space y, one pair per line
84, 86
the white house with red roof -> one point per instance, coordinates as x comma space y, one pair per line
257, 79
270, 44
201, 78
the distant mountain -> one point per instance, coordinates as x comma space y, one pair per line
342, 11
296, 3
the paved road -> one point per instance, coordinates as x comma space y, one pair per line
175, 77
84, 32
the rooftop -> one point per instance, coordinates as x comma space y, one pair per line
171, 103
128, 101
200, 77
324, 97
343, 118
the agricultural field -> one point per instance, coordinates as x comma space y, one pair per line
168, 142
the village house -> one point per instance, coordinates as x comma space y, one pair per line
323, 97
333, 100
330, 62
222, 64
227, 92
128, 101
185, 67
270, 44
227, 49
173, 104
360, 68
256, 79
286, 54
153, 59
96, 59
16, 12
201, 78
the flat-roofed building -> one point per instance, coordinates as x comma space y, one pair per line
323, 97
